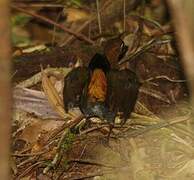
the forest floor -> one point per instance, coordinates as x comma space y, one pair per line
157, 142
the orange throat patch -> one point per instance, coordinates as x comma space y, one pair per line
97, 88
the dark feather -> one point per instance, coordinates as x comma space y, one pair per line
122, 92
74, 83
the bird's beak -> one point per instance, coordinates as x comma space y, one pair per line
123, 53
78, 63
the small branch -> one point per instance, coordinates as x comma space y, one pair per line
91, 162
99, 18
59, 151
166, 78
124, 15
74, 176
88, 176
158, 126
38, 5
144, 48
30, 154
155, 94
69, 124
29, 160
58, 154
86, 23
93, 129
29, 169
77, 35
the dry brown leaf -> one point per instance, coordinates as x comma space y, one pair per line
75, 14
32, 101
52, 96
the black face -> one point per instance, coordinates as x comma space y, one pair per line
123, 50
99, 61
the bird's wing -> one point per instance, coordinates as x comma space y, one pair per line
122, 92
74, 84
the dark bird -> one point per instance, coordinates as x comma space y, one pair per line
101, 89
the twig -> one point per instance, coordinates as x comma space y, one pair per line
27, 161
155, 94
99, 18
77, 35
158, 126
82, 152
79, 30
183, 131
124, 15
87, 176
91, 162
140, 107
146, 47
30, 154
167, 78
86, 23
29, 169
69, 124
23, 5
58, 154
54, 28
145, 19
13, 165
93, 129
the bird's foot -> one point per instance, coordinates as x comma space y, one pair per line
106, 140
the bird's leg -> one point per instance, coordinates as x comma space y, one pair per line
88, 122
111, 126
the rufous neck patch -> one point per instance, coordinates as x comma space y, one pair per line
97, 88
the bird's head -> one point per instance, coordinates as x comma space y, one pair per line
114, 50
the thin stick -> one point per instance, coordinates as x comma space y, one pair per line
91, 162
77, 35
66, 125
93, 129
166, 78
29, 169
58, 154
160, 125
144, 48
124, 15
86, 23
54, 28
59, 151
99, 18
30, 154
38, 5
83, 177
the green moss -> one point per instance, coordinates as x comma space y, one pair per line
67, 143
